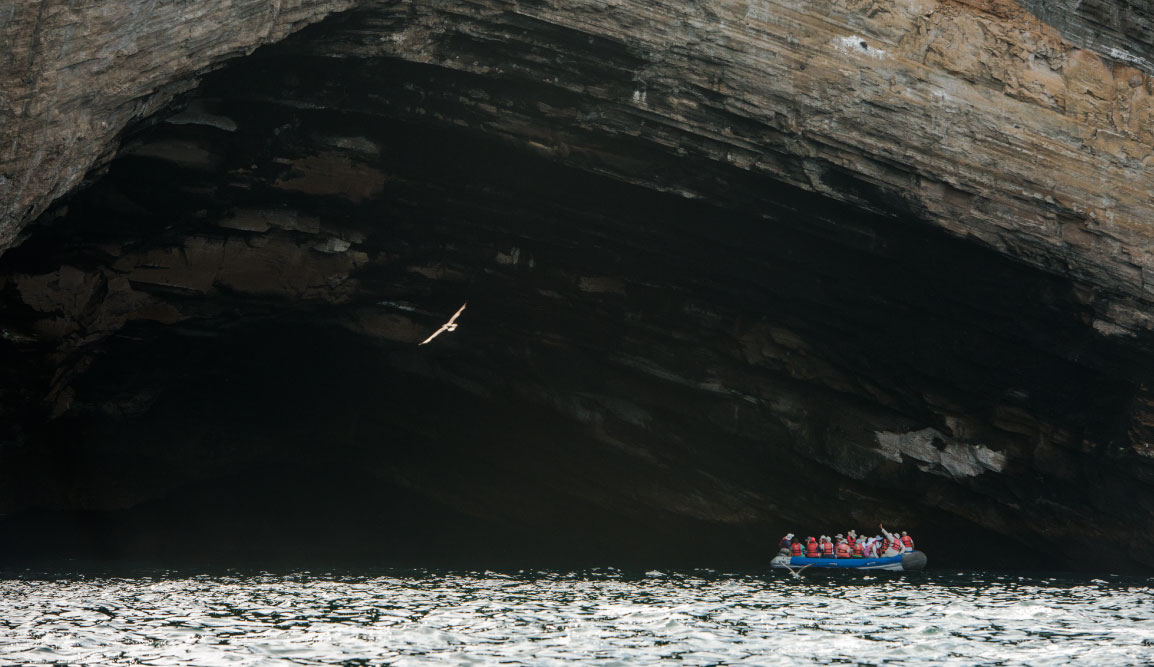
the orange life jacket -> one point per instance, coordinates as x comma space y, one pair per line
908, 541
795, 549
827, 548
811, 548
850, 540
843, 550
857, 550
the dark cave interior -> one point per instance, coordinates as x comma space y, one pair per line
210, 351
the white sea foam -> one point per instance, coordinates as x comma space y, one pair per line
565, 618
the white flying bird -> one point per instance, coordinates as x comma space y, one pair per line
451, 325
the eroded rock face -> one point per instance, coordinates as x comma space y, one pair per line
74, 75
1119, 29
732, 269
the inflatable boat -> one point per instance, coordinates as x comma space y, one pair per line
908, 562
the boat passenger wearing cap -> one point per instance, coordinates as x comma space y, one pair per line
892, 545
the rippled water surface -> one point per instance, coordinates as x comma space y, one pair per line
603, 617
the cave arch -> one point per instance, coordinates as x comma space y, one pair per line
668, 356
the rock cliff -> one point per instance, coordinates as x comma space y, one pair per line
732, 268
73, 75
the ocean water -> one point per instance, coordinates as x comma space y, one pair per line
601, 617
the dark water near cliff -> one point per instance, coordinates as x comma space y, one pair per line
604, 617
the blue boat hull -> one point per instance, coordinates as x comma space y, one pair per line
913, 561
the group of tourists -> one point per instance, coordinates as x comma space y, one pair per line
850, 545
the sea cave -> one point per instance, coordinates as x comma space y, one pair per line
729, 270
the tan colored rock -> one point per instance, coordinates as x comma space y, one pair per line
333, 174
975, 115
74, 75
983, 118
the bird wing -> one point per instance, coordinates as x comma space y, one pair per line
444, 327
458, 313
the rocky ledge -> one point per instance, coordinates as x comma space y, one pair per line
732, 269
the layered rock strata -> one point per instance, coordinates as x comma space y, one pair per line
1118, 29
946, 91
731, 267
74, 75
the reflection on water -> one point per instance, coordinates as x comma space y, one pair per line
613, 618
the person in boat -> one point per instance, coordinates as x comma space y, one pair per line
842, 550
858, 550
826, 547
785, 542
811, 548
894, 543
901, 542
851, 538
795, 549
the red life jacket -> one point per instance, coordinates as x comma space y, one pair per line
795, 550
857, 550
906, 540
827, 548
811, 548
843, 550
851, 541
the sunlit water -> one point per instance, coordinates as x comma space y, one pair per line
602, 617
